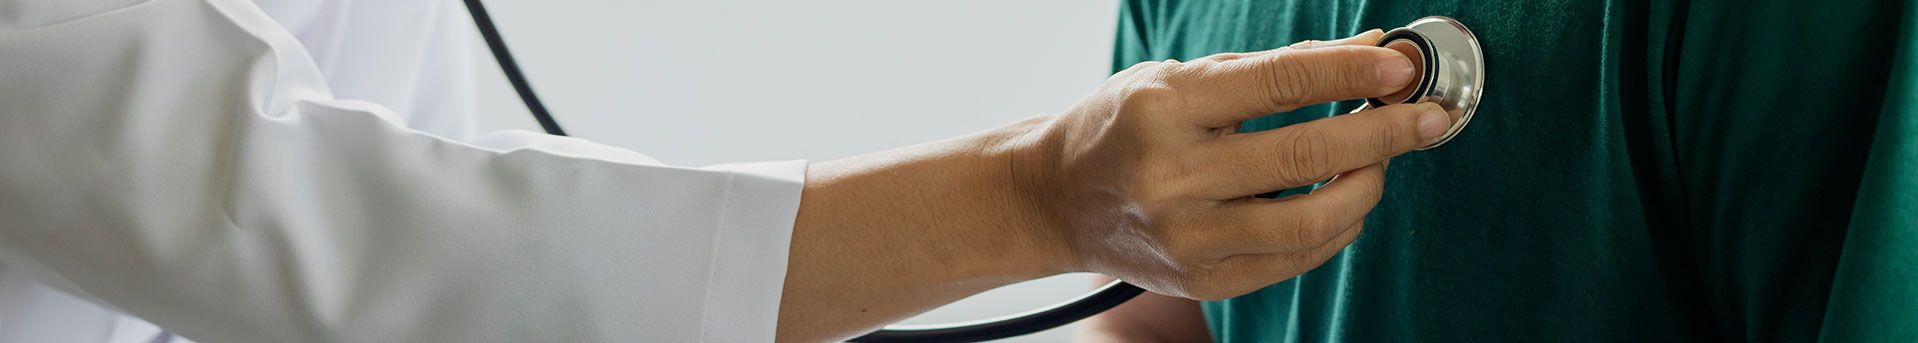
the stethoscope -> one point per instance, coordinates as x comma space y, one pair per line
1445, 55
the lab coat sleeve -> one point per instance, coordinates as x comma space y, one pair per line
182, 161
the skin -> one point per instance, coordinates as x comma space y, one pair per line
1153, 317
1146, 179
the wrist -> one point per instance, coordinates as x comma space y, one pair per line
1029, 163
1026, 153
1011, 228
972, 205
886, 235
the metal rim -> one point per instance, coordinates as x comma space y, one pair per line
1455, 78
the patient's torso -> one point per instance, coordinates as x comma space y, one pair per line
1636, 171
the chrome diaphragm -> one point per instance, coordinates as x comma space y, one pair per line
1450, 68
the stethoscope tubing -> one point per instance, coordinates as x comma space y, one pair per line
1019, 324
510, 67
1105, 298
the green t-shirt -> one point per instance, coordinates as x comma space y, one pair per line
1637, 171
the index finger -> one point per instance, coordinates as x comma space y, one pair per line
1254, 85
1367, 38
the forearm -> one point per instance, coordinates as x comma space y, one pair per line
1143, 180
883, 236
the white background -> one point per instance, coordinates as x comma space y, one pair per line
707, 82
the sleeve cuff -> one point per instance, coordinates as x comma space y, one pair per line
749, 263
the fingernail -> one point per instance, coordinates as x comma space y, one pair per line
1394, 71
1432, 123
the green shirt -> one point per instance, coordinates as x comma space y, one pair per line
1637, 171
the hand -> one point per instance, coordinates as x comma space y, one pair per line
1148, 180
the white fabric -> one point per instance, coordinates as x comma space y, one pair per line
237, 172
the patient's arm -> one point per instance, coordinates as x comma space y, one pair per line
1151, 317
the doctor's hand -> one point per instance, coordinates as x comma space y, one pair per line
1146, 179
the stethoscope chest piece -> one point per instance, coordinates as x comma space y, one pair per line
1450, 65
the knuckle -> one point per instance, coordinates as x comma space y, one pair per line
1221, 57
1286, 78
1393, 138
1146, 95
1190, 74
1147, 69
1357, 70
1308, 153
1309, 228
1205, 62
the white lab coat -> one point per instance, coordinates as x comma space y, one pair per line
301, 174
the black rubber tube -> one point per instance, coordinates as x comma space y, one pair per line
1107, 297
511, 68
1113, 294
